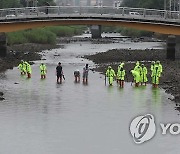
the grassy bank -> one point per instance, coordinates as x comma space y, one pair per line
127, 31
46, 35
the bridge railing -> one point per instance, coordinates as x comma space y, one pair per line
47, 11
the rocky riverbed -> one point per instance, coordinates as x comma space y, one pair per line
170, 79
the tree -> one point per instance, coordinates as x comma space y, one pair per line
9, 3
23, 3
151, 4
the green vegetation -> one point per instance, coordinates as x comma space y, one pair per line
9, 3
127, 31
23, 3
152, 4
134, 32
45, 35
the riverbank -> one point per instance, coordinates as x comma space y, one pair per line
45, 35
170, 80
27, 52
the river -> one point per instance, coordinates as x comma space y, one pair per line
42, 117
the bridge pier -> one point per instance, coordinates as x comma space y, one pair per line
3, 45
173, 47
95, 31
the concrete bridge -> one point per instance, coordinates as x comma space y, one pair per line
159, 21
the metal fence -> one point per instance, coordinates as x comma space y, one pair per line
48, 11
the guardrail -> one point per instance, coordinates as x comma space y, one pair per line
47, 11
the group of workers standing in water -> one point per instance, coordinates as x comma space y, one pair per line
25, 69
139, 73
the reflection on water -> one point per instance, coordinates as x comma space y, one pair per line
42, 117
156, 96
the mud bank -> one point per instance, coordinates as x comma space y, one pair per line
28, 52
170, 80
106, 39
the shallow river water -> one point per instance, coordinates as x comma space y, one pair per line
41, 117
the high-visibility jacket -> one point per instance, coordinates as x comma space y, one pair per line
152, 67
121, 74
121, 66
20, 66
28, 68
144, 74
155, 75
159, 68
110, 74
43, 69
136, 76
138, 69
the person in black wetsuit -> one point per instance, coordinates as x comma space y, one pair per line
59, 73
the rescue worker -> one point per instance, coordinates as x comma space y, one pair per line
59, 73
21, 67
120, 77
138, 67
152, 65
85, 74
121, 65
77, 76
137, 64
43, 70
28, 70
144, 75
111, 75
25, 66
156, 73
136, 77
158, 63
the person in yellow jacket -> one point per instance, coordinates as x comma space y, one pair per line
120, 77
43, 70
158, 63
22, 68
28, 70
156, 74
136, 77
138, 67
121, 65
111, 75
144, 78
152, 65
